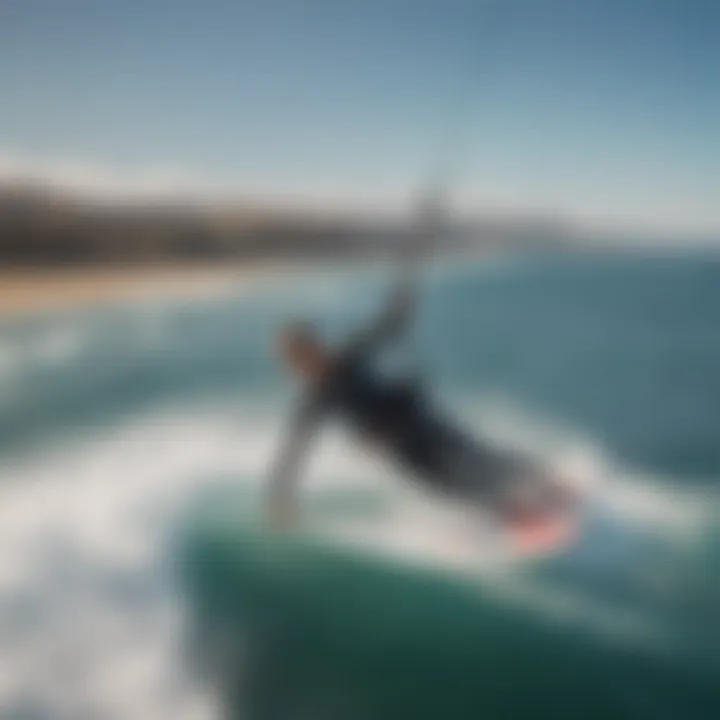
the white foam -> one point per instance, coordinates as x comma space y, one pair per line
82, 528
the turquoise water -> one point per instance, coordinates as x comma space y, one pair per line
138, 582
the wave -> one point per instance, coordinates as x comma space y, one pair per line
387, 601
100, 508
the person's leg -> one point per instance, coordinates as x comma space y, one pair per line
475, 470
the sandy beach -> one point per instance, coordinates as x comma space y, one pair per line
36, 290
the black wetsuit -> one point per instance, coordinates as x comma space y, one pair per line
396, 417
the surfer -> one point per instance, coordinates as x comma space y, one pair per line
397, 418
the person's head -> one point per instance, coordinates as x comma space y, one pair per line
302, 351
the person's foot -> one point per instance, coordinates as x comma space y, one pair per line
540, 515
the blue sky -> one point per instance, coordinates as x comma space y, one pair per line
605, 110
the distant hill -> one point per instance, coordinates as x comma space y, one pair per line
47, 227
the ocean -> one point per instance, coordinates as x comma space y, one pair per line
137, 580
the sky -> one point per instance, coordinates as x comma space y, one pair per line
606, 111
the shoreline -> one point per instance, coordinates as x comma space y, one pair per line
33, 291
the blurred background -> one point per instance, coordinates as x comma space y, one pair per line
177, 179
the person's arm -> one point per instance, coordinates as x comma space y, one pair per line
395, 318
281, 505
389, 325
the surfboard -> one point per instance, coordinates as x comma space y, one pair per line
546, 517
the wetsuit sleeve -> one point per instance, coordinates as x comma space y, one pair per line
389, 325
281, 505
395, 318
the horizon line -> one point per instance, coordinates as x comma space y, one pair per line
98, 184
